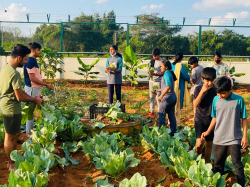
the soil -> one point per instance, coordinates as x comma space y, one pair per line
84, 173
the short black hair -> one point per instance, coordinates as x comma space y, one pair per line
218, 54
34, 45
193, 60
222, 84
19, 50
156, 52
208, 73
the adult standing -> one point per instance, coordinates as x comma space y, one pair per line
180, 85
33, 78
11, 97
114, 69
220, 67
155, 80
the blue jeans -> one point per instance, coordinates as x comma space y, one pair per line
167, 106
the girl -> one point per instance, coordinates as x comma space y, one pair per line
220, 67
167, 99
114, 73
180, 85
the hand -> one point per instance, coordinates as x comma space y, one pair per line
203, 135
38, 100
244, 142
205, 87
160, 99
50, 87
152, 73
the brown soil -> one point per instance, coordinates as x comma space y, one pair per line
84, 173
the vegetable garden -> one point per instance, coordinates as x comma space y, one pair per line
64, 149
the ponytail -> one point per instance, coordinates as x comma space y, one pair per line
119, 55
178, 58
167, 64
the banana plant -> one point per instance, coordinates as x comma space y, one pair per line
85, 70
132, 64
232, 74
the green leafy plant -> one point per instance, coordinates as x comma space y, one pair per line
49, 61
85, 70
232, 74
106, 153
138, 106
187, 67
132, 64
2, 133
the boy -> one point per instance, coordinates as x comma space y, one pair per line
203, 99
195, 77
11, 96
156, 79
33, 78
227, 111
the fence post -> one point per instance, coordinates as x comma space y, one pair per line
127, 34
199, 40
61, 37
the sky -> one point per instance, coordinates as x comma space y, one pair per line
196, 12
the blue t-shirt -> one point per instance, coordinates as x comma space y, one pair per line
31, 63
167, 81
228, 114
114, 77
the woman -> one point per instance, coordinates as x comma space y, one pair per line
180, 85
114, 69
167, 99
220, 67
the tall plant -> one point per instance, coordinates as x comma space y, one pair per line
233, 74
132, 64
85, 70
49, 61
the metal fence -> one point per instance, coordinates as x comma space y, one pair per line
95, 37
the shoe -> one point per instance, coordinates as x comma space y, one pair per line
151, 114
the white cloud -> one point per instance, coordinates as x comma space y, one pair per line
14, 12
243, 14
226, 20
101, 1
220, 5
152, 7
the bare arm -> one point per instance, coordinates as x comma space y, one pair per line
35, 80
244, 141
163, 93
210, 128
22, 96
193, 81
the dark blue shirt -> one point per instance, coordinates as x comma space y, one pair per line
30, 64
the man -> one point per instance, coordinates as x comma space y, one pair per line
33, 78
11, 95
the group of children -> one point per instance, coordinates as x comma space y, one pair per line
218, 112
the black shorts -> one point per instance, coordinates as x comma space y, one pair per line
202, 126
12, 123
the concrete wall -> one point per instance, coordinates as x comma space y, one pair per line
71, 65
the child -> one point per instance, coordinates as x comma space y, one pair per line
167, 99
227, 111
195, 77
114, 74
155, 80
203, 99
33, 78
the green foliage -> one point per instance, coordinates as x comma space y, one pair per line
106, 153
2, 133
49, 61
201, 175
233, 74
85, 70
187, 67
103, 183
132, 64
136, 181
